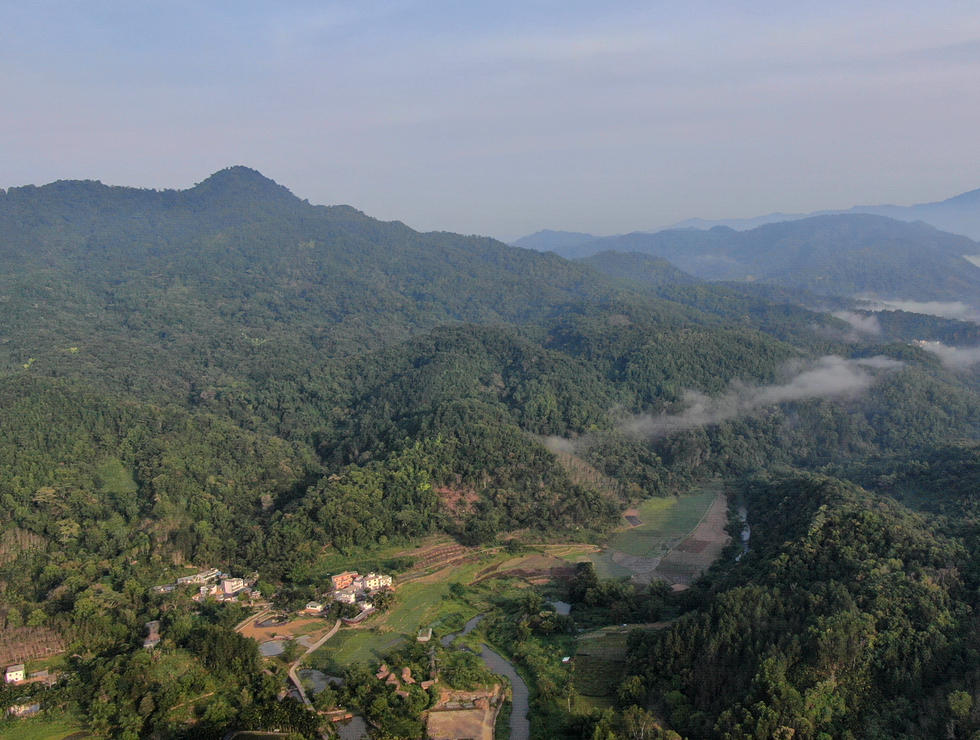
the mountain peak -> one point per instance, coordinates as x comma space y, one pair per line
242, 182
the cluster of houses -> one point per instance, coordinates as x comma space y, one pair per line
214, 584
350, 587
18, 676
391, 677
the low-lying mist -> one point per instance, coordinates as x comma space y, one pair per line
861, 325
830, 376
944, 309
955, 358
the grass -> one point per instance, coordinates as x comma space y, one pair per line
501, 729
43, 728
606, 567
51, 663
115, 477
352, 646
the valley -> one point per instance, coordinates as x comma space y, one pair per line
560, 454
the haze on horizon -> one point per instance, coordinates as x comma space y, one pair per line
503, 118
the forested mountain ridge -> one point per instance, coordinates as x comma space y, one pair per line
548, 240
849, 617
959, 214
237, 272
843, 255
232, 376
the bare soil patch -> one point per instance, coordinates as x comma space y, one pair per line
450, 724
457, 501
464, 714
289, 630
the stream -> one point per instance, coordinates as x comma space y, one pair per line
520, 728
743, 514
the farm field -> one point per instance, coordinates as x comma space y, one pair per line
700, 549
420, 603
665, 522
352, 646
665, 526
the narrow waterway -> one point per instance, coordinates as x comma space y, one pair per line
520, 727
743, 514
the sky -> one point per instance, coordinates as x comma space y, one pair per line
503, 118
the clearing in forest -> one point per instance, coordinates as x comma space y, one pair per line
672, 539
684, 563
51, 727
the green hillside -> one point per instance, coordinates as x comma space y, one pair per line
230, 376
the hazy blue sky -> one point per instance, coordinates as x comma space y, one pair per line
504, 117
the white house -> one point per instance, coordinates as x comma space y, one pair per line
231, 586
346, 595
374, 581
14, 673
203, 577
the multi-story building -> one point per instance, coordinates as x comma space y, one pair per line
374, 581
231, 586
343, 580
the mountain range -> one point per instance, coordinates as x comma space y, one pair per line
839, 255
233, 377
959, 214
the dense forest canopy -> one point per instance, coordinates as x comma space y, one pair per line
229, 375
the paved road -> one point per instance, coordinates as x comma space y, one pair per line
248, 620
292, 669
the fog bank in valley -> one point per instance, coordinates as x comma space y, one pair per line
955, 358
830, 376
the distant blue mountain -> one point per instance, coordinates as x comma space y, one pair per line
553, 241
839, 255
958, 215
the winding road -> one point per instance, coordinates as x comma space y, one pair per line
295, 664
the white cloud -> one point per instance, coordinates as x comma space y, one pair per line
944, 309
956, 358
829, 377
860, 323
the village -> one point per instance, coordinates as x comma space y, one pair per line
213, 584
401, 636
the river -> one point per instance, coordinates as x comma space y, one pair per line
743, 514
520, 727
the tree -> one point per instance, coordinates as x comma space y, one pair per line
383, 599
640, 724
632, 691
